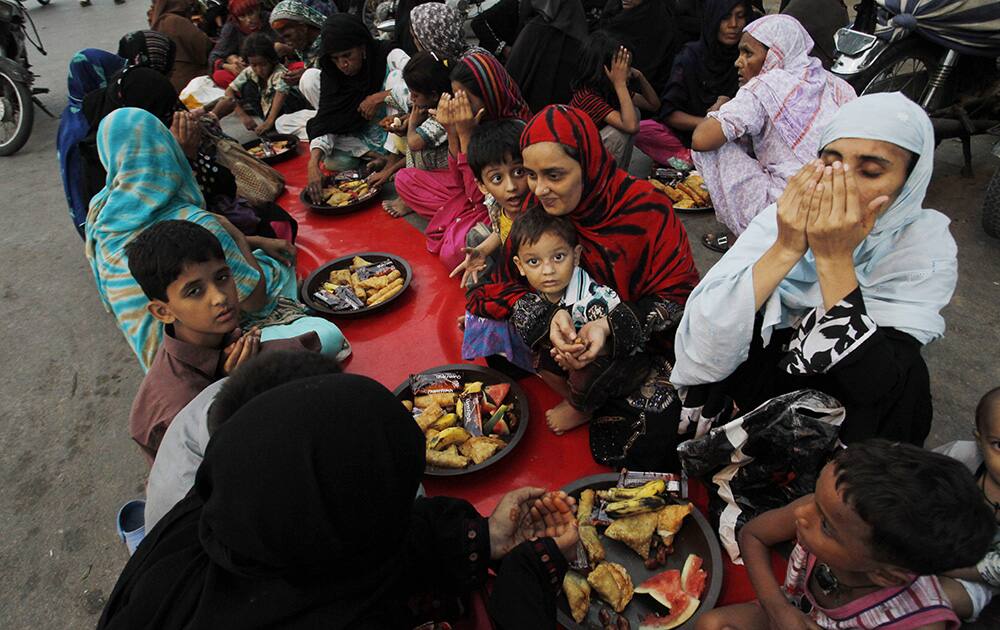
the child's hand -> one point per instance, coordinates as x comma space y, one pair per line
379, 178
619, 72
248, 122
464, 120
241, 350
263, 128
788, 617
443, 111
563, 335
594, 335
475, 261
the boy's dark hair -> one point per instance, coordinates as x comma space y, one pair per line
259, 45
597, 53
158, 255
990, 402
493, 142
262, 373
529, 228
924, 509
425, 74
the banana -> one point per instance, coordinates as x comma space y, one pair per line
444, 439
446, 421
649, 489
631, 507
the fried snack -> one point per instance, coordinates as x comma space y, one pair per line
670, 520
577, 594
592, 543
357, 262
340, 276
446, 421
337, 197
695, 195
684, 203
443, 399
355, 184
393, 290
479, 449
635, 531
446, 459
408, 404
427, 417
613, 584
390, 289
585, 508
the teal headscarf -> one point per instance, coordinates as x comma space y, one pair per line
149, 180
907, 267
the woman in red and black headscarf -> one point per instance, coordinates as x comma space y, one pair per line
633, 243
244, 19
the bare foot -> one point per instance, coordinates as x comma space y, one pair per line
396, 208
565, 417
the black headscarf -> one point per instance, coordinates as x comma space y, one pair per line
148, 48
339, 94
133, 86
649, 31
703, 70
296, 519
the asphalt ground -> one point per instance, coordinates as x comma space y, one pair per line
66, 461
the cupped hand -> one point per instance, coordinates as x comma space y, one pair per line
793, 208
463, 118
839, 223
512, 521
554, 516
563, 335
187, 132
621, 63
594, 336
241, 350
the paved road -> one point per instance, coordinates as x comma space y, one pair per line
66, 462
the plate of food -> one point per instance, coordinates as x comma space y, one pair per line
687, 191
472, 416
648, 559
274, 148
357, 284
344, 192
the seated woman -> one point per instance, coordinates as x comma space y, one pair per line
440, 29
173, 19
702, 79
89, 70
603, 88
359, 77
150, 49
142, 87
835, 288
148, 181
451, 199
632, 243
226, 61
283, 528
748, 149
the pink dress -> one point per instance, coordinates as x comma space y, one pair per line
450, 200
921, 602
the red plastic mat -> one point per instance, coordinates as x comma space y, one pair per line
420, 331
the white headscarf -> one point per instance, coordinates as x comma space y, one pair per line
906, 267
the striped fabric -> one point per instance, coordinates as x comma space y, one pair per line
501, 95
591, 103
971, 27
915, 605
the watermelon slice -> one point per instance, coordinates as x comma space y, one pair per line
497, 393
501, 428
693, 577
665, 588
677, 617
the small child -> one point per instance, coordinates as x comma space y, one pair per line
971, 589
547, 254
494, 157
426, 139
601, 90
263, 77
182, 269
885, 519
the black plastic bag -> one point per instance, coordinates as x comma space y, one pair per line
764, 459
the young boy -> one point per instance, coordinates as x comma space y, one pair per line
884, 520
267, 74
182, 269
971, 589
494, 159
547, 254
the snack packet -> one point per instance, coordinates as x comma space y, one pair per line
342, 298
435, 383
378, 269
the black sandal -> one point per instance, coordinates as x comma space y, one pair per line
717, 242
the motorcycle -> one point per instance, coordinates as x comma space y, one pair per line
17, 92
925, 52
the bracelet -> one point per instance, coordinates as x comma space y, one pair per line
499, 50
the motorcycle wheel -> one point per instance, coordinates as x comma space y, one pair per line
991, 206
17, 115
905, 67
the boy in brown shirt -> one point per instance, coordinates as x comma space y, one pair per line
182, 269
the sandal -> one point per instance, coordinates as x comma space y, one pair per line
717, 242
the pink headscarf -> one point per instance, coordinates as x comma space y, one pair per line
794, 88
